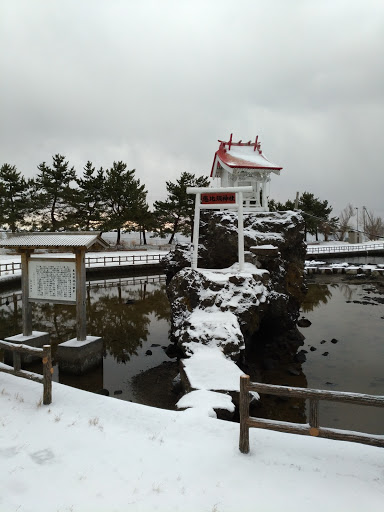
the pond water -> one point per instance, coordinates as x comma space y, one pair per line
132, 316
343, 347
343, 350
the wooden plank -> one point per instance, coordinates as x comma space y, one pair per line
21, 348
334, 396
25, 375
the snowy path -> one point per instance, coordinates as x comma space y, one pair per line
89, 453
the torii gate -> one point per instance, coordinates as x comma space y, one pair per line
230, 198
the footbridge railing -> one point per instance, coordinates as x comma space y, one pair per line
312, 428
96, 261
323, 249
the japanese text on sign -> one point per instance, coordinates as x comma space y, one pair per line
52, 280
218, 198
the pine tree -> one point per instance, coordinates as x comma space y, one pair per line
87, 202
54, 193
178, 209
14, 197
124, 198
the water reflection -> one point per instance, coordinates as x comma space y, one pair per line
131, 315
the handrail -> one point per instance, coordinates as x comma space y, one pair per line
45, 354
344, 248
132, 259
312, 428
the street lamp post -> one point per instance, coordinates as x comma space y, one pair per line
357, 224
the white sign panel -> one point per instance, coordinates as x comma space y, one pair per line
52, 280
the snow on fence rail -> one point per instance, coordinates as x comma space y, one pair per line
312, 428
95, 261
344, 248
44, 353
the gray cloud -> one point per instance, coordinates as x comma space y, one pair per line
156, 83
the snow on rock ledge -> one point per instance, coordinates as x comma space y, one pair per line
216, 307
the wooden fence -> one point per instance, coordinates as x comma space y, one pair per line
312, 428
44, 353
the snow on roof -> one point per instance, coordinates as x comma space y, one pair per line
51, 240
242, 155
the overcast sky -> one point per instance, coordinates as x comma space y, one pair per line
156, 83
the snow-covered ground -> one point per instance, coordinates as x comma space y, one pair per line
90, 453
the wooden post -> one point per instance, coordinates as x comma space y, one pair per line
47, 374
16, 361
81, 316
26, 305
244, 414
314, 417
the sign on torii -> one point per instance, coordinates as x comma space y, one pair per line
230, 198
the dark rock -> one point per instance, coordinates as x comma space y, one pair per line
300, 357
118, 392
155, 345
334, 340
329, 383
269, 364
304, 322
173, 351
325, 353
312, 349
323, 341
130, 301
148, 353
293, 371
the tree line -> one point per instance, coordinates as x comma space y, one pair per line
318, 218
110, 199
114, 199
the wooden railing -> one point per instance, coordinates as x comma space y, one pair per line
312, 428
44, 353
323, 249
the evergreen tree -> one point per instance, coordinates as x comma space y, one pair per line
54, 193
316, 213
14, 197
87, 202
124, 198
176, 213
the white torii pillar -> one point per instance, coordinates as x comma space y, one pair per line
237, 205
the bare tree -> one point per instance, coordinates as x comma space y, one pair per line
374, 226
344, 222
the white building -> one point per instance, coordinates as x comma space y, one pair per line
243, 164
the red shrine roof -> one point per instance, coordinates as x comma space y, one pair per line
242, 155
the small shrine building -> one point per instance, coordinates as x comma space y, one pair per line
243, 164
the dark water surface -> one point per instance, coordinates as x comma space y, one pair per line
132, 315
343, 347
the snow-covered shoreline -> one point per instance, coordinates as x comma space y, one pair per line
109, 455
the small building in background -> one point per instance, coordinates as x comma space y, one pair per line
244, 164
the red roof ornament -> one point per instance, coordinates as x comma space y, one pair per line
242, 155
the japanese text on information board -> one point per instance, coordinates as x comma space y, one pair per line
52, 280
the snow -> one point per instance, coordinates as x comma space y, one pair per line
207, 401
86, 453
209, 369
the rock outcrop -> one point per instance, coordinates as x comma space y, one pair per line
267, 298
